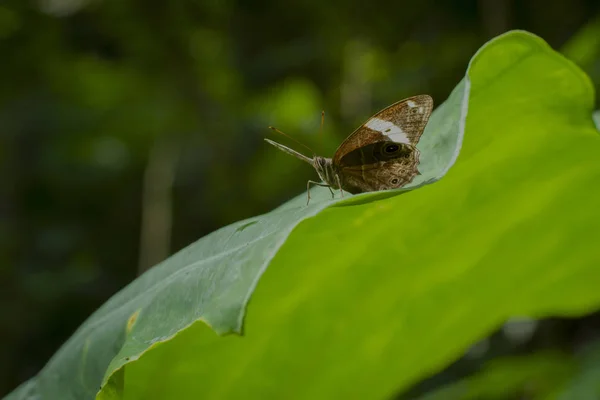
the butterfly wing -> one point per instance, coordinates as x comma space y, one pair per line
402, 122
390, 166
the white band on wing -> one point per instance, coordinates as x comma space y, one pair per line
394, 132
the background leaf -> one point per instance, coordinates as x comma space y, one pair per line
544, 375
535, 376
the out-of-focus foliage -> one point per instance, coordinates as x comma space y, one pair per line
547, 375
536, 376
122, 119
584, 49
362, 331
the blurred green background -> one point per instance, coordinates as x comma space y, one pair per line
129, 129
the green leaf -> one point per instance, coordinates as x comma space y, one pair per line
548, 375
535, 376
585, 382
370, 294
583, 47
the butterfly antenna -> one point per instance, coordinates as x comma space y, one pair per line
292, 139
321, 128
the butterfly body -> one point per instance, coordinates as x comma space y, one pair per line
381, 154
326, 171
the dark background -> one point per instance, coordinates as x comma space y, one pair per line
131, 128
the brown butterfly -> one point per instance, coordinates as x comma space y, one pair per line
381, 154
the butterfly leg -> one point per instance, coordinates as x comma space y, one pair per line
337, 179
316, 183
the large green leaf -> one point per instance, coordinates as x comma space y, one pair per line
369, 294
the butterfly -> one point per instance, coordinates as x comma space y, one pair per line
381, 154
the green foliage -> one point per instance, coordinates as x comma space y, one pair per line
584, 48
535, 376
365, 296
545, 375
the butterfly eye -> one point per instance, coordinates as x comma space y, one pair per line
394, 181
391, 148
